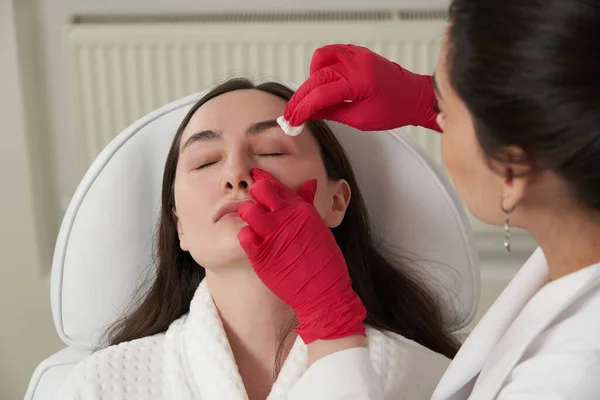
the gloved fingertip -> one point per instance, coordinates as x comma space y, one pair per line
249, 240
260, 184
308, 190
259, 174
244, 208
312, 185
262, 175
288, 113
291, 114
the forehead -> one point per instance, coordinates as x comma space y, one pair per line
234, 111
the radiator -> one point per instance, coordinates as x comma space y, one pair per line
121, 70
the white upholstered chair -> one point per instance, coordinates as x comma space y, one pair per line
105, 241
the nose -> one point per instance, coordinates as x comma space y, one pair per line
237, 183
238, 175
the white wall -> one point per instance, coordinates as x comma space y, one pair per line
37, 165
55, 15
27, 334
178, 6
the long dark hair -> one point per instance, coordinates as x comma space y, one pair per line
528, 71
395, 299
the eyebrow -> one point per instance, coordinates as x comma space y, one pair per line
211, 136
259, 127
204, 136
436, 88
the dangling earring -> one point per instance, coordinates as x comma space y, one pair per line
507, 225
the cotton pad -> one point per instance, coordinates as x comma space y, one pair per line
288, 129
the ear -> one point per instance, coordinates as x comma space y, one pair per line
179, 228
341, 195
516, 180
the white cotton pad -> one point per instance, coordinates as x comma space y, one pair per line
288, 129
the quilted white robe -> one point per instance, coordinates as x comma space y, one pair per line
193, 360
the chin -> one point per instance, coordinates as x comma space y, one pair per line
223, 251
231, 251
226, 258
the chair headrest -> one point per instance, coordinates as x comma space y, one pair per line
105, 244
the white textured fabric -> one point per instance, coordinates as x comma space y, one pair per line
193, 360
539, 341
344, 375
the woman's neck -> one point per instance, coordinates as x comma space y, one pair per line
570, 240
254, 320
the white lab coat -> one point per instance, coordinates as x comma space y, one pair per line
540, 340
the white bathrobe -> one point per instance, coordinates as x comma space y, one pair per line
193, 360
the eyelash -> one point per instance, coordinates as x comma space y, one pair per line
272, 154
263, 155
206, 165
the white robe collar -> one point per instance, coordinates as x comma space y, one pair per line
200, 363
524, 309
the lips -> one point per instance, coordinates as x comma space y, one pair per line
228, 208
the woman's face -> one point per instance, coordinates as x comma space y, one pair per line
477, 184
227, 137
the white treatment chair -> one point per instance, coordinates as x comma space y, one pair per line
104, 248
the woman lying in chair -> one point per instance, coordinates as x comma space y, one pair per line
208, 327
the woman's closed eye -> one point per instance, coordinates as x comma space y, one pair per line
207, 160
208, 164
260, 154
201, 164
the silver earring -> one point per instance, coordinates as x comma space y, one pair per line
507, 226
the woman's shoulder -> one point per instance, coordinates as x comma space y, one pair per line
406, 368
393, 345
128, 356
130, 369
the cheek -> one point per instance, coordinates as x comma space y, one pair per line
193, 203
451, 149
476, 184
460, 151
460, 159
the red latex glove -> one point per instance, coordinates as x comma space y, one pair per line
296, 256
383, 94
